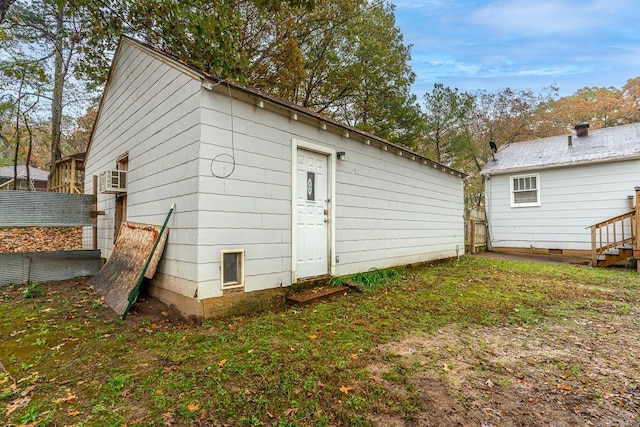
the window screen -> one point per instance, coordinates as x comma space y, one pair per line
525, 191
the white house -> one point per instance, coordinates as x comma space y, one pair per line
37, 176
544, 195
267, 193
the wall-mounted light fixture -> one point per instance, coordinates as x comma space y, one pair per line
341, 155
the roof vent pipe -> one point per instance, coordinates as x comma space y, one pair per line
582, 129
569, 142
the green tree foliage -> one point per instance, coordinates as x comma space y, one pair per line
211, 35
376, 77
21, 85
447, 113
345, 59
50, 33
459, 127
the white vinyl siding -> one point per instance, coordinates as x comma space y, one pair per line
575, 197
151, 111
389, 209
250, 209
392, 210
525, 190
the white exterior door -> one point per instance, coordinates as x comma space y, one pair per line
312, 214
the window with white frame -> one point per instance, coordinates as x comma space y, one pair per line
525, 190
232, 268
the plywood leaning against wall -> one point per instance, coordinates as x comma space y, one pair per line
121, 274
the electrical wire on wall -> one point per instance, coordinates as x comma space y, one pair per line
223, 165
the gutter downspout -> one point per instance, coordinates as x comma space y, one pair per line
487, 210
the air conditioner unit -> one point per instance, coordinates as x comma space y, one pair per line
113, 181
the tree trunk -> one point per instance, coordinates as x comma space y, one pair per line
4, 8
58, 87
17, 150
28, 161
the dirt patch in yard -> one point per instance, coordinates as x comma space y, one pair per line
571, 371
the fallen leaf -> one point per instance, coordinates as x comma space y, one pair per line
57, 347
313, 337
28, 390
524, 382
445, 367
17, 404
73, 413
29, 319
68, 398
168, 418
290, 411
345, 390
565, 387
221, 363
192, 407
489, 383
354, 356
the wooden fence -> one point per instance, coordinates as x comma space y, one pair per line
475, 231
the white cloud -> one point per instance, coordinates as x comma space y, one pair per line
522, 44
545, 17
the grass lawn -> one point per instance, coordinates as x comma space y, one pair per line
409, 345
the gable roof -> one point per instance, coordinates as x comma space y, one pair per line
34, 173
209, 81
599, 146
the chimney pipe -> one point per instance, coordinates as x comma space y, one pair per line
582, 129
569, 142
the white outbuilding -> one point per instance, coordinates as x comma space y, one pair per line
267, 193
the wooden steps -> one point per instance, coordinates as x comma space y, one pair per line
608, 259
316, 294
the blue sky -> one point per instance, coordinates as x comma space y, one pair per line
521, 44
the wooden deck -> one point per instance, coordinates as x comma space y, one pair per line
68, 175
616, 239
